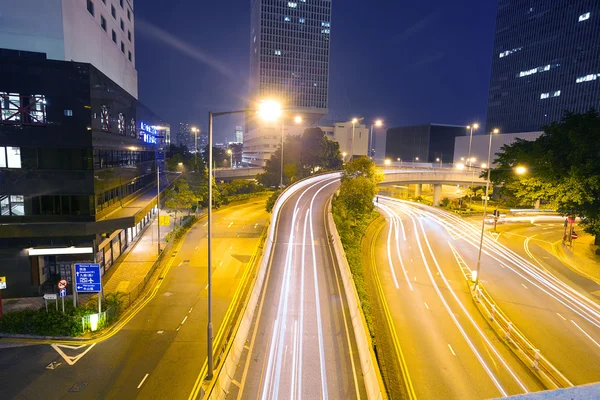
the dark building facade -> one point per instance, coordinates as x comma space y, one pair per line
422, 143
546, 60
74, 147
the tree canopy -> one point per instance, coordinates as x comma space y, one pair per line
563, 168
302, 156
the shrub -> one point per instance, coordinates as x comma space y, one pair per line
271, 200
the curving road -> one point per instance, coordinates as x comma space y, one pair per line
563, 323
301, 345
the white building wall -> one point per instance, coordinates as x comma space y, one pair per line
33, 25
65, 30
480, 145
342, 133
86, 41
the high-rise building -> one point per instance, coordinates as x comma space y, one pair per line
185, 137
422, 143
546, 60
289, 55
91, 31
239, 134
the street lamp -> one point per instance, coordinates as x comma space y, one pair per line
472, 127
460, 166
378, 124
268, 110
344, 154
416, 158
230, 157
520, 170
354, 122
495, 131
439, 159
298, 119
387, 161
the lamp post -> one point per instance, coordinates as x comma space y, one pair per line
268, 110
354, 121
378, 123
439, 159
344, 154
487, 189
230, 157
297, 120
195, 130
471, 127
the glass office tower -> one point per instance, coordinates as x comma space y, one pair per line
546, 60
289, 54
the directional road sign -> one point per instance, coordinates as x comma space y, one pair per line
87, 278
2, 282
63, 292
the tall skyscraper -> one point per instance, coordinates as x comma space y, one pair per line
91, 31
289, 55
546, 60
239, 134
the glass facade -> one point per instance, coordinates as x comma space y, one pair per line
289, 53
546, 60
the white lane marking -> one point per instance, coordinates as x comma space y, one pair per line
294, 354
180, 264
564, 319
426, 306
390, 262
160, 332
255, 225
229, 226
183, 322
585, 333
205, 224
196, 248
66, 346
451, 349
71, 360
191, 308
415, 278
143, 380
524, 286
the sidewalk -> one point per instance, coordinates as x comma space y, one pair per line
582, 258
128, 275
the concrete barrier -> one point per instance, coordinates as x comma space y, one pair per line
219, 386
368, 363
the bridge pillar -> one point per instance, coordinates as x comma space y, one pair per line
437, 194
418, 189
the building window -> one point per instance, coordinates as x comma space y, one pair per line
587, 78
22, 109
103, 23
121, 124
129, 35
325, 31
302, 20
90, 7
122, 47
114, 36
121, 3
536, 70
132, 128
128, 14
582, 17
68, 113
10, 157
277, 52
113, 11
129, 56
12, 205
105, 119
548, 95
325, 24
122, 26
291, 4
287, 19
509, 52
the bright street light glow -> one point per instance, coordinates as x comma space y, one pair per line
354, 120
475, 126
269, 110
228, 151
180, 164
484, 165
462, 159
473, 159
194, 129
496, 131
398, 158
298, 119
520, 170
378, 123
437, 159
416, 158
460, 166
387, 161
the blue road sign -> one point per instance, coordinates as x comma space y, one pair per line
63, 292
87, 278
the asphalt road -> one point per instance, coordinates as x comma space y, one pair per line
159, 353
562, 322
302, 343
449, 349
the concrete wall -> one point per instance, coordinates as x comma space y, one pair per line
33, 25
479, 147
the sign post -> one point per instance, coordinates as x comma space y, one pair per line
2, 287
62, 287
88, 280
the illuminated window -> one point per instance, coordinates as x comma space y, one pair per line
509, 52
105, 119
302, 20
536, 70
587, 78
544, 95
277, 52
585, 16
121, 124
291, 4
132, 128
556, 93
68, 113
12, 205
90, 7
325, 31
10, 157
325, 24
22, 109
287, 19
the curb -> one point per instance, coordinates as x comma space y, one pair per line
559, 252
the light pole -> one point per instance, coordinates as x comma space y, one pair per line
297, 120
439, 159
230, 157
378, 123
354, 121
344, 154
195, 130
471, 127
487, 189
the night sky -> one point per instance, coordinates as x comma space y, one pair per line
406, 62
